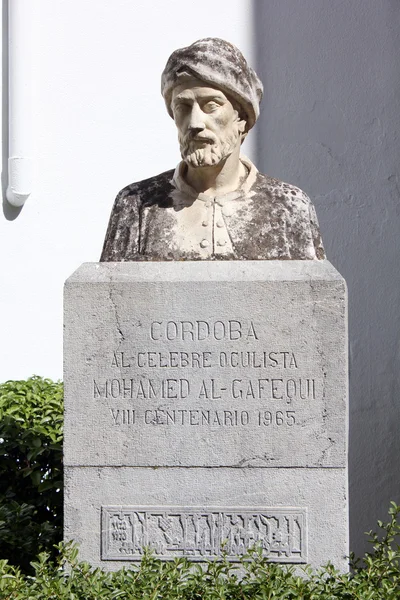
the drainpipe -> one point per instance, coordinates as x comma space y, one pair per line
20, 168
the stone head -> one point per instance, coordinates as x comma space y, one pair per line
213, 96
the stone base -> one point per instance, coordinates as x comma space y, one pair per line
320, 492
206, 404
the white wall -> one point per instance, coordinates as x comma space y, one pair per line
99, 123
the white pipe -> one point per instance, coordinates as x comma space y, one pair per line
20, 168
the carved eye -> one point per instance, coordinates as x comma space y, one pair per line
181, 107
210, 106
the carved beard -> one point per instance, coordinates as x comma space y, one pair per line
211, 154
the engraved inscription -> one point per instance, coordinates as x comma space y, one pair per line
205, 382
202, 330
254, 389
199, 360
199, 534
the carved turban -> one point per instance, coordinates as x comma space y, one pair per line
219, 64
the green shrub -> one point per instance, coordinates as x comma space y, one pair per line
31, 418
377, 577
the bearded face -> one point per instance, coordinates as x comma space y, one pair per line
209, 127
208, 149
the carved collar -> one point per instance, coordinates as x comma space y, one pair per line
186, 194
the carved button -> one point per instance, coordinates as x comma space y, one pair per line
204, 243
220, 223
205, 223
208, 203
221, 242
227, 211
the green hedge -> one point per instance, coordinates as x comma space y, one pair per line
31, 418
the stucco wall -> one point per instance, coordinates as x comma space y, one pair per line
330, 124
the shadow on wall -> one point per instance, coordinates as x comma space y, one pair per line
330, 124
10, 212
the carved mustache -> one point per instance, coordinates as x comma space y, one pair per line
195, 137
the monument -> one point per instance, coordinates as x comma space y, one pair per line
206, 354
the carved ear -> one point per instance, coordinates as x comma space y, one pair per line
241, 125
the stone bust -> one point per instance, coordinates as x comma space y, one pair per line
215, 205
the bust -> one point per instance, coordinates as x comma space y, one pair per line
214, 205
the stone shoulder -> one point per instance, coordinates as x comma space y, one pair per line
148, 189
280, 189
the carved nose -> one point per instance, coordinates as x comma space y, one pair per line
196, 122
195, 130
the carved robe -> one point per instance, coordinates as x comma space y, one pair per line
163, 218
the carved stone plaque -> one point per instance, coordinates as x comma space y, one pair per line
199, 533
201, 372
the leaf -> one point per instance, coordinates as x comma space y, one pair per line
36, 477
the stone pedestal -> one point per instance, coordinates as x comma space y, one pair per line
206, 404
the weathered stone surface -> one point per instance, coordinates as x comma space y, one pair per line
162, 218
127, 382
211, 387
